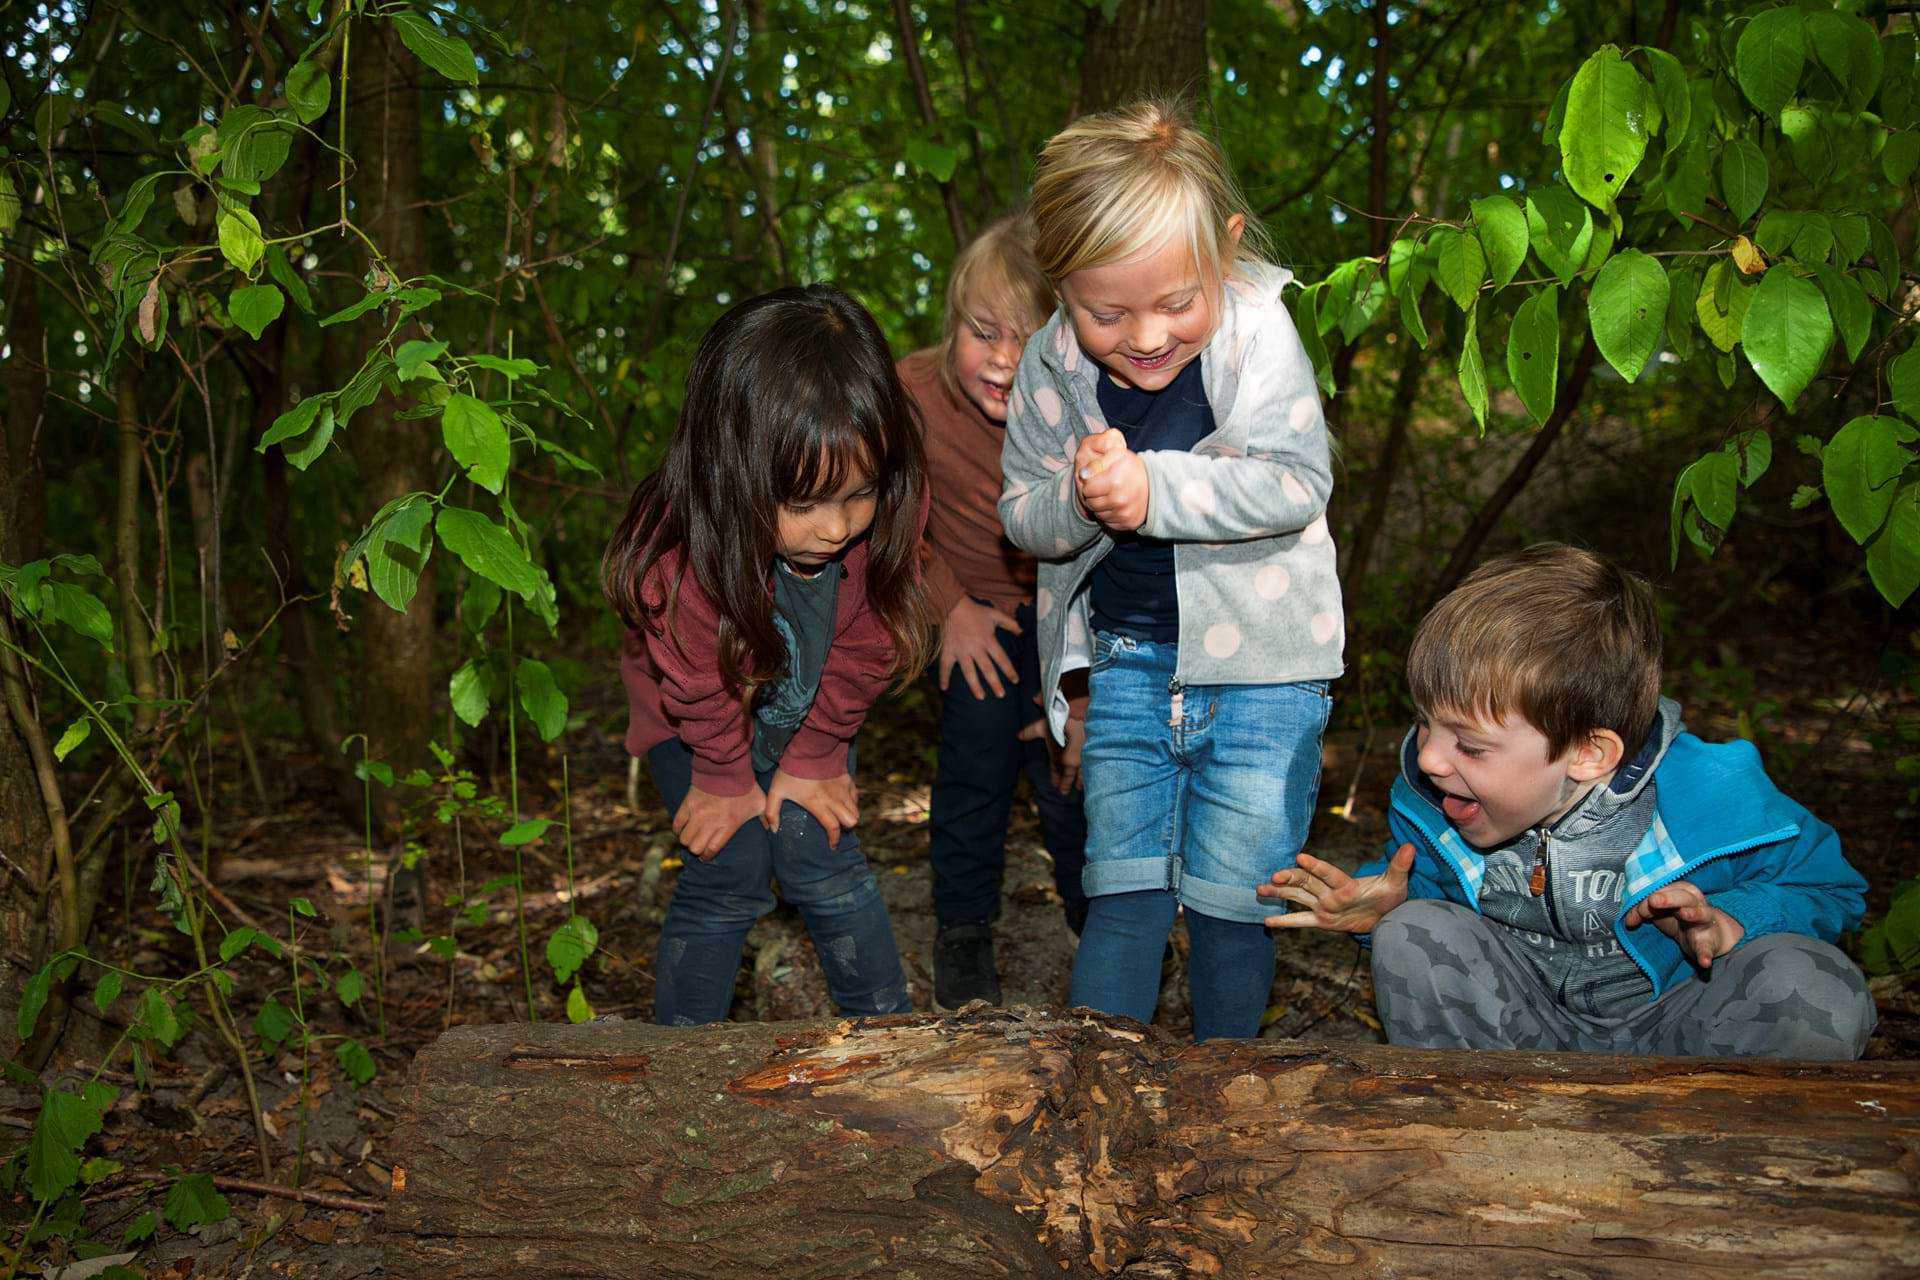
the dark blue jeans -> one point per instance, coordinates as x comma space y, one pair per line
981, 760
717, 899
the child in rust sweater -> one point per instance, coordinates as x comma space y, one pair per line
982, 589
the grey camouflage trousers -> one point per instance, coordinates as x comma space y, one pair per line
1446, 978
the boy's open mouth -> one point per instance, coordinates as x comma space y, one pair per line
1458, 809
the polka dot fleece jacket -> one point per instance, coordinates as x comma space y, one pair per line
1259, 595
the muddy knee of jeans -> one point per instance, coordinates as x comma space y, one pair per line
836, 895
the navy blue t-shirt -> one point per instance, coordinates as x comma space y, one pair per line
1133, 589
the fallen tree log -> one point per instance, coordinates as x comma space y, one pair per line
1029, 1143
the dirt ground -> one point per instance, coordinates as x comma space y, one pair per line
1825, 736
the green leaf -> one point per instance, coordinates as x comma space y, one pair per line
255, 307
397, 553
240, 240
478, 603
1502, 227
1628, 309
1713, 484
304, 907
79, 609
1743, 178
142, 1229
449, 55
274, 1023
411, 356
1604, 136
1533, 352
1786, 333
513, 369
33, 998
65, 1123
158, 1020
1473, 370
309, 90
488, 550
541, 698
1860, 468
1770, 56
350, 987
1847, 303
521, 833
931, 156
468, 690
237, 941
282, 271
1850, 50
1560, 226
1675, 98
477, 439
1753, 450
570, 946
1899, 156
353, 311
1463, 266
1688, 176
1306, 323
1903, 382
9, 203
304, 431
107, 990
1886, 258
253, 144
578, 1010
355, 1061
194, 1202
70, 741
1893, 558
1722, 305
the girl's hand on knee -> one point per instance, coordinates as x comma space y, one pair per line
970, 640
1334, 899
1683, 913
705, 822
833, 802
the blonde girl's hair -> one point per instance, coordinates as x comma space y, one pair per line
996, 271
1117, 183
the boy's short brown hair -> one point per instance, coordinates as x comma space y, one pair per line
1561, 636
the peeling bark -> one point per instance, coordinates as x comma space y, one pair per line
1028, 1143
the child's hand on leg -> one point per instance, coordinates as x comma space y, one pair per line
704, 822
1682, 912
970, 640
1062, 759
833, 802
1112, 481
1334, 899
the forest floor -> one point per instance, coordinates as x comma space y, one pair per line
1825, 739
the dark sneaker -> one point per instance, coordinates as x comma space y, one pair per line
963, 967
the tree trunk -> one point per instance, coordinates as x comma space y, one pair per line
1028, 1143
1152, 47
395, 456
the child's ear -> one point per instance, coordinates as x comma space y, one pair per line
1235, 225
1596, 757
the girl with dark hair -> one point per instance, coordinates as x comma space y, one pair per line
769, 578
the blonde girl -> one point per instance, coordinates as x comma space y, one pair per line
1167, 461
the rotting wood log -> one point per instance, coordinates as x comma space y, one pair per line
1033, 1143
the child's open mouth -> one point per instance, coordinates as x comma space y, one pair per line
994, 391
1150, 363
1459, 811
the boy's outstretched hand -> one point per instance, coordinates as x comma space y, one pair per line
1682, 912
1112, 481
1334, 899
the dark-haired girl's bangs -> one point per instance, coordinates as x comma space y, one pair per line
836, 427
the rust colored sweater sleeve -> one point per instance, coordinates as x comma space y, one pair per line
672, 671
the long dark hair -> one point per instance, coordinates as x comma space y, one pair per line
790, 393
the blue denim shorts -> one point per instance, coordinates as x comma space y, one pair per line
1203, 789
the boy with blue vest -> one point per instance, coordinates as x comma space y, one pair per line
1572, 869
